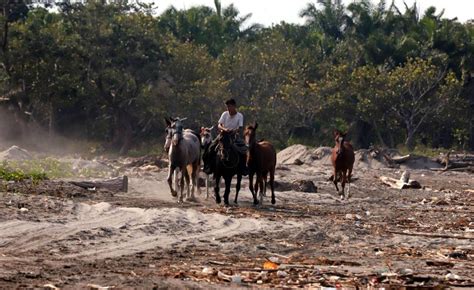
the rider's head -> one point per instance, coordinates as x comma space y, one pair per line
231, 106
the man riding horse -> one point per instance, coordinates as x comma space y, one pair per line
232, 122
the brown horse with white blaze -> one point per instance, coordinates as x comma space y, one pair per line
261, 160
342, 159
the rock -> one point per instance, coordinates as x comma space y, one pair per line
283, 186
304, 186
451, 276
208, 271
350, 216
15, 153
406, 272
282, 274
298, 162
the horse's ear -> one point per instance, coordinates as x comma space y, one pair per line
202, 129
335, 132
255, 126
168, 122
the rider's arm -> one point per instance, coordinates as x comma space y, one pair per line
221, 127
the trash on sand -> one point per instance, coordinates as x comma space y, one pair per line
269, 265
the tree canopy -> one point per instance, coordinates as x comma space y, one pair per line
111, 72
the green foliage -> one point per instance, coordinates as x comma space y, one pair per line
8, 174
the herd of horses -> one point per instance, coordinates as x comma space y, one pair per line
184, 147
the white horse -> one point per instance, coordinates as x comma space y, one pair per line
206, 140
184, 154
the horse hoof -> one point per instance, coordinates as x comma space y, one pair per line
255, 202
273, 201
191, 199
174, 193
342, 197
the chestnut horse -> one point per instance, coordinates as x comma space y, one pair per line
342, 159
261, 160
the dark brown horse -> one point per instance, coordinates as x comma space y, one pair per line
342, 159
261, 160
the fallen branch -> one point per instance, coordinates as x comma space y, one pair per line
430, 235
114, 184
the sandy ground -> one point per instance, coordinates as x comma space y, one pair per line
144, 238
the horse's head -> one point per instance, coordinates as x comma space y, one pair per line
250, 134
225, 143
206, 136
339, 138
174, 132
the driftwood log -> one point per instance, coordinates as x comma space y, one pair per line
402, 183
118, 184
456, 162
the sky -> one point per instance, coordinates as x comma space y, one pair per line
268, 12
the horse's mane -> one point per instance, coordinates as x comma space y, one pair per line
195, 134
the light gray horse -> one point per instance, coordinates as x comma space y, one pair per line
184, 154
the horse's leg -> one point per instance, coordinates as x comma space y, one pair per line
237, 187
272, 184
256, 187
260, 185
217, 180
349, 177
196, 170
194, 180
207, 185
176, 180
187, 180
252, 190
335, 180
265, 183
343, 182
228, 180
183, 175
171, 170
191, 181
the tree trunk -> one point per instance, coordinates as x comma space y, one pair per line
409, 142
122, 133
469, 92
378, 134
51, 121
